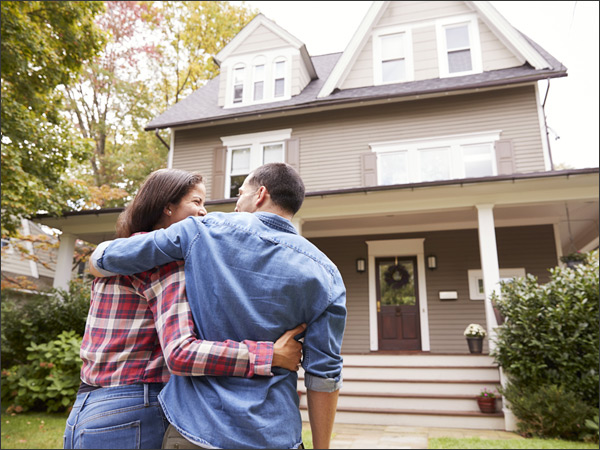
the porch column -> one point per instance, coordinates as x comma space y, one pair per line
489, 266
297, 222
64, 261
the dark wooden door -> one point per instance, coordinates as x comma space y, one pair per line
398, 303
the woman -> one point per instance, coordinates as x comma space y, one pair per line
140, 327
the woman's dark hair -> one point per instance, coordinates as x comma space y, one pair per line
160, 188
283, 183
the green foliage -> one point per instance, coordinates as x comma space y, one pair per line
40, 319
549, 411
49, 380
42, 45
549, 348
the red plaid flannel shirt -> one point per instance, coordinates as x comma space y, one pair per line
140, 326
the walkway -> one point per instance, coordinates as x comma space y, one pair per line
354, 436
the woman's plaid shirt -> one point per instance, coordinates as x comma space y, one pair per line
140, 326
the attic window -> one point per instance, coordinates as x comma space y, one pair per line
238, 84
392, 56
459, 47
279, 79
259, 82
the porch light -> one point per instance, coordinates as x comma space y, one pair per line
361, 265
432, 262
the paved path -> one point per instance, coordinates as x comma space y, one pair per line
355, 436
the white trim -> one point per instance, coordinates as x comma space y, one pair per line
474, 44
558, 244
474, 275
264, 136
408, 53
358, 40
397, 247
592, 245
29, 246
542, 124
508, 35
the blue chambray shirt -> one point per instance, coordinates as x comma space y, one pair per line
248, 276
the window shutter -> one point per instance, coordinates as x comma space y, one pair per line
505, 161
369, 168
218, 182
292, 153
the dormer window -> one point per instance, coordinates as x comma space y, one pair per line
259, 82
459, 49
279, 79
238, 84
392, 56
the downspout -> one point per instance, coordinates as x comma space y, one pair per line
546, 126
169, 147
170, 154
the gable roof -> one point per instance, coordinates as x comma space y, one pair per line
257, 22
201, 107
514, 40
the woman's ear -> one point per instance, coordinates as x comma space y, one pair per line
167, 210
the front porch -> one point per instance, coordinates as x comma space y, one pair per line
416, 389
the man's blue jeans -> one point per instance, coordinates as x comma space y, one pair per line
117, 417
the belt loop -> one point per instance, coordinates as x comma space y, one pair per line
146, 395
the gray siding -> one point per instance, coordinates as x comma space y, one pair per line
457, 252
420, 16
331, 143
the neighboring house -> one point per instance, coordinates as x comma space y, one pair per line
429, 178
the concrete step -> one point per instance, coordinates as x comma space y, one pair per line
418, 359
431, 419
488, 373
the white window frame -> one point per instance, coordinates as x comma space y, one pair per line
260, 61
256, 142
476, 276
378, 49
474, 41
234, 84
267, 58
455, 143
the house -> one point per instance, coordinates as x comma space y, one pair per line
429, 177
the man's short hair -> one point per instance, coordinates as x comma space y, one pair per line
283, 183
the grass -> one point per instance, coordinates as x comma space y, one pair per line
45, 431
529, 443
33, 430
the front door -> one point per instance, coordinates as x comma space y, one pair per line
398, 303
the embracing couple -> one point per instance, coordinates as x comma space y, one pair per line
192, 336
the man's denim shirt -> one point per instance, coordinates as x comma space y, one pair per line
248, 276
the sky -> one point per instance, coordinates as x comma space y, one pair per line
568, 30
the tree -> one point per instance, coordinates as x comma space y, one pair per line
42, 45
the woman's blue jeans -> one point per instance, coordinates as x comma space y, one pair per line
117, 417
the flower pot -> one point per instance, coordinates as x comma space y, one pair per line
487, 404
475, 344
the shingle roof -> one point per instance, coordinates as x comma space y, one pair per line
202, 105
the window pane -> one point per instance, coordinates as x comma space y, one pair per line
393, 167
258, 90
478, 160
457, 37
392, 47
279, 87
240, 161
393, 71
280, 69
236, 184
435, 164
238, 75
459, 61
238, 93
272, 153
259, 72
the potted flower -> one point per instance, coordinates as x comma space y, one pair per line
475, 334
486, 400
572, 259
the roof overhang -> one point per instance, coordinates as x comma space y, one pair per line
565, 199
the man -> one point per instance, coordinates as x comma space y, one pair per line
249, 275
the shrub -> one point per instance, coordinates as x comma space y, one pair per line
40, 318
549, 345
50, 379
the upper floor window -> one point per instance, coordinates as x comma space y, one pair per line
464, 156
458, 46
259, 81
238, 84
392, 56
279, 79
263, 78
247, 152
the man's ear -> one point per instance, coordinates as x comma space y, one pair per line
262, 195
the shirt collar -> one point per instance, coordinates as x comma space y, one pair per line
275, 221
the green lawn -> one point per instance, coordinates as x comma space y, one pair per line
45, 431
